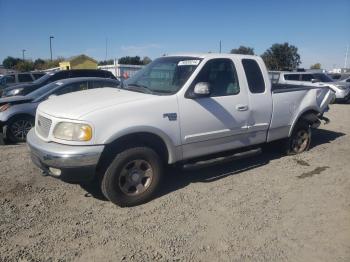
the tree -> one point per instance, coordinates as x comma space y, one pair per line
146, 60
130, 60
316, 66
243, 50
39, 64
24, 66
106, 62
281, 57
10, 62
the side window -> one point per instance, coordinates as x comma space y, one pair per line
25, 78
348, 80
254, 76
221, 75
37, 75
294, 77
10, 79
74, 87
306, 77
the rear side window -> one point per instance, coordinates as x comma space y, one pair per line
10, 79
254, 76
294, 77
306, 77
25, 78
38, 75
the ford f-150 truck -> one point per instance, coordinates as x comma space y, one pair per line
178, 109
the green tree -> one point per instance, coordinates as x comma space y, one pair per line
106, 62
130, 60
39, 64
243, 50
281, 57
316, 66
10, 62
25, 66
146, 60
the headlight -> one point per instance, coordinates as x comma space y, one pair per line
14, 92
73, 131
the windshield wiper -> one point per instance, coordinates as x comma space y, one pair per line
137, 87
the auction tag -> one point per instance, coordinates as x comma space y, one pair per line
188, 63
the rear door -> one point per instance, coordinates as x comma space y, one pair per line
217, 122
260, 100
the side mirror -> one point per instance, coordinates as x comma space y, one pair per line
315, 80
202, 89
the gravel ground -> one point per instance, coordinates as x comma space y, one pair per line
266, 208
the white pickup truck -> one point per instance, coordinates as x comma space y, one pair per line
178, 109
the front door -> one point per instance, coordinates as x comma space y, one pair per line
217, 122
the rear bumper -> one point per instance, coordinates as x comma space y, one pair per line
75, 163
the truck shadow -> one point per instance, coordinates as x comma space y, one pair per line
177, 178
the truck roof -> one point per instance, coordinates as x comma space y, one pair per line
213, 55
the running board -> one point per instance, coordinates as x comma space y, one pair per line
223, 159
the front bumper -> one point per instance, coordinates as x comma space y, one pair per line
76, 163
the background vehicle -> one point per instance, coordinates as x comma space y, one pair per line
14, 79
341, 89
25, 89
17, 113
177, 109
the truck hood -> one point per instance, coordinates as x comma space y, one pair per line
77, 104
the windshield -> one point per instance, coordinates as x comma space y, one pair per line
165, 75
43, 78
44, 90
323, 78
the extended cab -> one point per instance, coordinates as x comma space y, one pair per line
178, 109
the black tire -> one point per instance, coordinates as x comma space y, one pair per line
128, 172
300, 139
18, 128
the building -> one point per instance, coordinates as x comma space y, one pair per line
79, 62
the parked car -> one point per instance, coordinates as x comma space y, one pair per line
18, 78
341, 89
25, 89
346, 80
17, 113
177, 109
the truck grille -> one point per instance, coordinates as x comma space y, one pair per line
43, 126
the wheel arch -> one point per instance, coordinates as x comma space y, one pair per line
309, 115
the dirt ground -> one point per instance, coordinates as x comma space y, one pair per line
266, 208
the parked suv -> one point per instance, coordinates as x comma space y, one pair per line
14, 79
341, 89
54, 76
17, 113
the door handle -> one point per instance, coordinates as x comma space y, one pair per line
242, 107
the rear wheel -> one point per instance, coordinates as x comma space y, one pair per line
18, 128
300, 139
133, 177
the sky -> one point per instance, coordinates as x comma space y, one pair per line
320, 29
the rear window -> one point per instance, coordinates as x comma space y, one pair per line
254, 76
294, 77
25, 78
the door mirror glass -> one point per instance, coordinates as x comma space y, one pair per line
202, 89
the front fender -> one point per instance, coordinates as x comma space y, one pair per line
175, 153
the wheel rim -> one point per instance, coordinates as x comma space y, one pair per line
20, 129
136, 177
300, 141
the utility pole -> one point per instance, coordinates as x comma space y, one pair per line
51, 47
106, 49
220, 47
23, 50
346, 56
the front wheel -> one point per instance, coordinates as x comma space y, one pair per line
300, 139
133, 177
18, 128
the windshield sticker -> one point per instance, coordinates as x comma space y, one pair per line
188, 63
